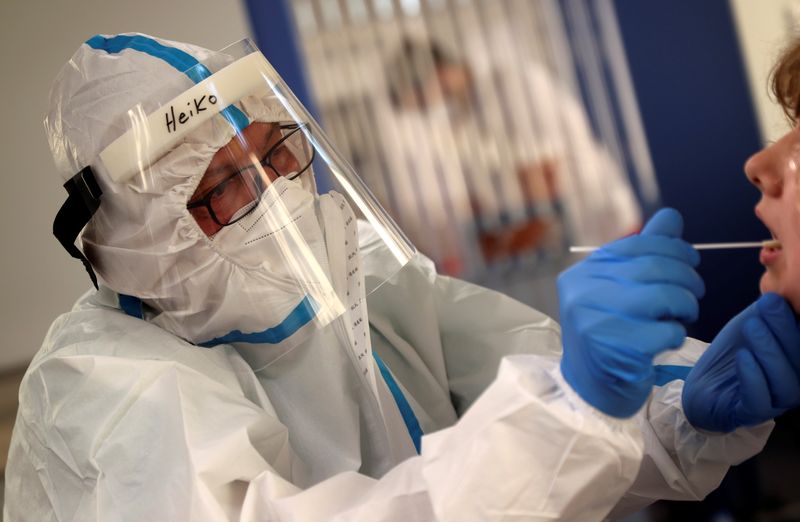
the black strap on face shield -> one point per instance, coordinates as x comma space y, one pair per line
75, 213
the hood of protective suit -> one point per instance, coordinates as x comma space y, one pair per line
142, 241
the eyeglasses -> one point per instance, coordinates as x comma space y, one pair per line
238, 194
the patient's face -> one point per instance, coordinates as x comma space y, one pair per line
774, 171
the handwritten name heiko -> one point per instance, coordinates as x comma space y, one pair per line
195, 107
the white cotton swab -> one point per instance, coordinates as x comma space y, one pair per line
769, 243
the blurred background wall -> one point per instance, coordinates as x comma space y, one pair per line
498, 132
762, 31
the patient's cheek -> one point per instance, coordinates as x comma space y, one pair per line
791, 265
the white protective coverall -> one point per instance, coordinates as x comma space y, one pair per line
120, 418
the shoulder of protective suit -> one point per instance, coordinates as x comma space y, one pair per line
96, 330
96, 326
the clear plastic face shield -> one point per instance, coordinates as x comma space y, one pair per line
211, 216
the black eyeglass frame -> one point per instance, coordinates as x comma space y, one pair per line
205, 201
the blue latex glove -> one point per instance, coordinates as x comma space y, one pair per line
751, 371
622, 306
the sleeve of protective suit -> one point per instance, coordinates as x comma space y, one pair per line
150, 428
478, 327
527, 449
681, 462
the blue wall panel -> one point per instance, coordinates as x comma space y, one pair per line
275, 35
699, 121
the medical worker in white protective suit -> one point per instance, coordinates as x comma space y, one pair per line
227, 367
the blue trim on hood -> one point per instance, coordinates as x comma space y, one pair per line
131, 305
180, 60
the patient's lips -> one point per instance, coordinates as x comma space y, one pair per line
771, 252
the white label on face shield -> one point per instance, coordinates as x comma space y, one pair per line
193, 108
149, 139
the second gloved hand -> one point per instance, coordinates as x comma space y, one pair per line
622, 306
750, 372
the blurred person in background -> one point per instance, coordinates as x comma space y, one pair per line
539, 147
